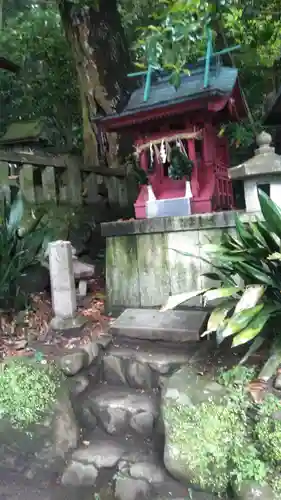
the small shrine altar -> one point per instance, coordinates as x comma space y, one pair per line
185, 194
177, 140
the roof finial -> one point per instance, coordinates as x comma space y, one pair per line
264, 140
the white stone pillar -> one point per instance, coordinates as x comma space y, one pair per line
62, 279
63, 288
251, 196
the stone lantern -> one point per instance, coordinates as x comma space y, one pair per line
262, 171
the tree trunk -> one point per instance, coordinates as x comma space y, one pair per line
102, 61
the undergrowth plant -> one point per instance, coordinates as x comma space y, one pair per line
27, 389
19, 249
223, 444
247, 267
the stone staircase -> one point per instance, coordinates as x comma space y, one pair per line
123, 441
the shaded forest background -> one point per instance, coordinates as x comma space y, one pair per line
75, 55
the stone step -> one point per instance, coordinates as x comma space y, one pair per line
169, 326
130, 468
100, 451
119, 410
141, 364
173, 490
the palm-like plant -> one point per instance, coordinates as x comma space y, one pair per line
248, 271
19, 250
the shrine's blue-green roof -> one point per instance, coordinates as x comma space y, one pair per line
162, 93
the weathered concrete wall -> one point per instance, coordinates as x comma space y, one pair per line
142, 268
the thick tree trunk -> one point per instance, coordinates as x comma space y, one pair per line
102, 60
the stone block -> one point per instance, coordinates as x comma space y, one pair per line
27, 183
171, 326
49, 184
120, 410
62, 279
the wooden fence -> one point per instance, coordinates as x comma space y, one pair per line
63, 179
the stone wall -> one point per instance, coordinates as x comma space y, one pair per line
142, 266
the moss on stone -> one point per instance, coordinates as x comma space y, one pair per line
121, 252
23, 130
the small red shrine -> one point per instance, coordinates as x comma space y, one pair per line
189, 118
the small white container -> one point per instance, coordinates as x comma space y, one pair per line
170, 207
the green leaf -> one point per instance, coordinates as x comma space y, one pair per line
275, 256
232, 257
271, 240
217, 316
255, 326
213, 276
177, 300
212, 248
175, 79
223, 269
244, 233
258, 275
250, 297
16, 214
140, 65
219, 293
239, 321
271, 212
253, 226
230, 242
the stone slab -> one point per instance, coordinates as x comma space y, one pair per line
170, 326
192, 222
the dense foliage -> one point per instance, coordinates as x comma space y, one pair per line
19, 250
46, 85
168, 34
228, 442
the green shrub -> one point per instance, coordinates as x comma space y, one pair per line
275, 482
231, 442
206, 433
268, 430
19, 250
238, 376
27, 389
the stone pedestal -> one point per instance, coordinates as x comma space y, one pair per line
63, 286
